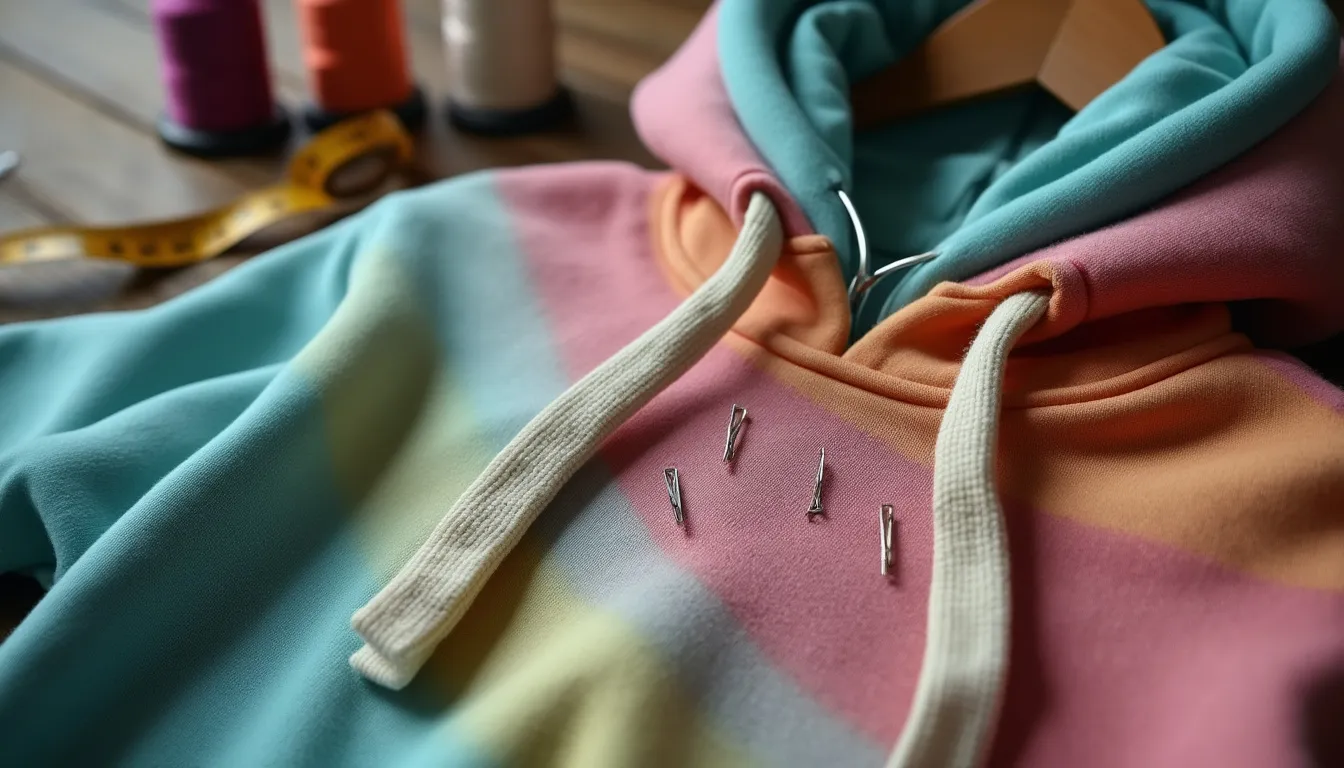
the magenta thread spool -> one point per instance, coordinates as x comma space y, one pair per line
216, 78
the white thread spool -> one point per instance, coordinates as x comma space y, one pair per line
501, 66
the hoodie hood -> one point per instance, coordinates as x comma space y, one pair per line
683, 113
984, 182
1261, 234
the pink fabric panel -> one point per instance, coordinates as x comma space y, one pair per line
809, 594
1266, 227
1126, 652
1131, 653
683, 114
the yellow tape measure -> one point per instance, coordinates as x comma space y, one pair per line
346, 159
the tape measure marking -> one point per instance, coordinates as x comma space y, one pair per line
312, 183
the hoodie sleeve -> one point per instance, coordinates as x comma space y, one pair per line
98, 408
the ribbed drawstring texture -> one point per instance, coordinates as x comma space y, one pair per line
405, 621
955, 708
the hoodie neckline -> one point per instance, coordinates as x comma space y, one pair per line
801, 316
1231, 74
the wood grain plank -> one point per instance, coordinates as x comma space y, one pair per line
83, 166
608, 46
58, 289
590, 64
104, 58
654, 28
288, 84
31, 292
603, 48
93, 168
17, 213
89, 48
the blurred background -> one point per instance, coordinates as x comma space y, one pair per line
82, 91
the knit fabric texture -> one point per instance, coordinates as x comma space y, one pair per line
402, 624
456, 407
966, 652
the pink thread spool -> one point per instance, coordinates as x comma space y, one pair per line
217, 82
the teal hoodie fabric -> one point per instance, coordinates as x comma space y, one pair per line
985, 182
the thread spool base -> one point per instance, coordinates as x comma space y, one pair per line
511, 122
410, 112
257, 140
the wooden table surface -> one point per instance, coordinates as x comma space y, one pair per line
79, 94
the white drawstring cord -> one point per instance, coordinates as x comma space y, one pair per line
404, 622
952, 718
961, 680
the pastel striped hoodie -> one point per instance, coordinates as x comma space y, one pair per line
394, 493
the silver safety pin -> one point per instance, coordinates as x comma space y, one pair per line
735, 419
673, 481
817, 508
887, 527
863, 278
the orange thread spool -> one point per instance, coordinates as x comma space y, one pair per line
355, 55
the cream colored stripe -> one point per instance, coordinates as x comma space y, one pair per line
570, 683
